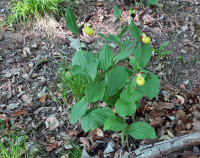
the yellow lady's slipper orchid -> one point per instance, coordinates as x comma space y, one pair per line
88, 30
140, 80
146, 40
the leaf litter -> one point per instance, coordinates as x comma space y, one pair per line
175, 112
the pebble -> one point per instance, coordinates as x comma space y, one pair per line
1, 58
2, 10
34, 45
186, 82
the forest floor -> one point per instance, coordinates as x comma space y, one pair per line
29, 63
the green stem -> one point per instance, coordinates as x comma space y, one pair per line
123, 137
79, 42
127, 139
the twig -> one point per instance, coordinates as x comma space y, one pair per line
165, 148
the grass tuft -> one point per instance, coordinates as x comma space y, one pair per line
11, 145
24, 10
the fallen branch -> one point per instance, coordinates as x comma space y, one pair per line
164, 148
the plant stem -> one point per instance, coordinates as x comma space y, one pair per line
79, 41
123, 137
127, 139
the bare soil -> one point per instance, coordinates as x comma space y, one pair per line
30, 57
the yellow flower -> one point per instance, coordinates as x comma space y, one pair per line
140, 80
146, 40
88, 30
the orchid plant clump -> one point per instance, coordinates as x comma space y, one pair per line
119, 87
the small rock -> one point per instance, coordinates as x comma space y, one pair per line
2, 10
186, 82
183, 51
184, 28
34, 45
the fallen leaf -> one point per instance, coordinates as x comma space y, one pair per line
180, 113
170, 134
21, 112
166, 105
43, 98
196, 90
182, 86
157, 121
26, 50
181, 99
180, 127
176, 23
51, 146
98, 5
69, 132
85, 141
77, 132
97, 132
27, 98
157, 113
50, 139
109, 148
53, 122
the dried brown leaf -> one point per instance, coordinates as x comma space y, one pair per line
43, 98
181, 99
21, 112
157, 121
85, 141
52, 146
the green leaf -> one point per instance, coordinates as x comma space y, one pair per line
89, 122
71, 21
136, 95
111, 38
105, 57
125, 107
151, 86
142, 54
87, 62
134, 64
115, 80
94, 92
78, 110
117, 11
134, 31
122, 55
127, 45
102, 114
163, 45
123, 32
128, 96
114, 123
150, 2
168, 52
141, 130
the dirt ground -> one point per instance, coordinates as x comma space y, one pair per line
29, 57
